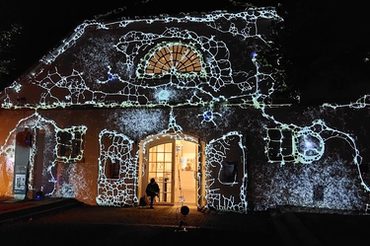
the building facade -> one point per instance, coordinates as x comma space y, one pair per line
189, 100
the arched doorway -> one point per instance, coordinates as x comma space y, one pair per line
173, 160
22, 157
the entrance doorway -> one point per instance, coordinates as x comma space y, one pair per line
23, 154
174, 164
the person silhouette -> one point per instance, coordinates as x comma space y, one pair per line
152, 190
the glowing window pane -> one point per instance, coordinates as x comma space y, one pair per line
168, 157
168, 167
160, 148
160, 156
151, 157
168, 147
153, 167
174, 58
160, 168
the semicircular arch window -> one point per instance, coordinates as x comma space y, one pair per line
172, 59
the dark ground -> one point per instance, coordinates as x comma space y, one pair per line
93, 225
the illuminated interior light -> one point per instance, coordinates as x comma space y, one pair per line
171, 58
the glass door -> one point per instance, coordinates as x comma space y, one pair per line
160, 168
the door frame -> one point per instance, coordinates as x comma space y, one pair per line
162, 138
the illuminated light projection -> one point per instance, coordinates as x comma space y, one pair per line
200, 70
173, 67
308, 144
110, 77
163, 95
66, 44
216, 151
138, 123
209, 116
216, 154
288, 142
70, 143
174, 132
172, 59
299, 145
198, 66
360, 103
59, 140
116, 149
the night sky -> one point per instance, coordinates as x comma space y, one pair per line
325, 44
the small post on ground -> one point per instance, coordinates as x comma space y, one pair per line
182, 224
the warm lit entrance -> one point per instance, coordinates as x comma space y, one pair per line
174, 165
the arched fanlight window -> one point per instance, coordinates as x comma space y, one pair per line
172, 58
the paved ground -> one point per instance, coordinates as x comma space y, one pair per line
67, 221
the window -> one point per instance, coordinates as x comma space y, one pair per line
279, 145
70, 143
228, 172
112, 169
115, 159
24, 138
160, 168
172, 58
318, 193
